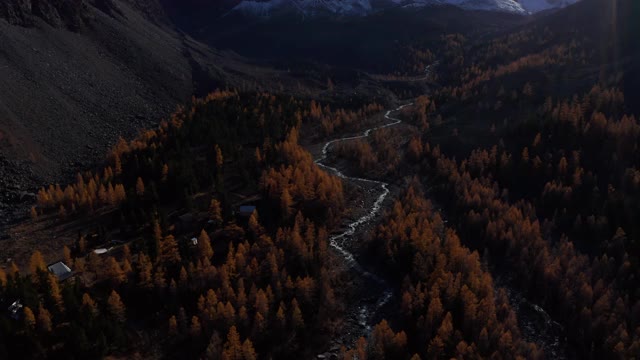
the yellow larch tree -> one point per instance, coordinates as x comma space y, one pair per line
116, 307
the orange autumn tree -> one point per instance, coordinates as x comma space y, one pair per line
116, 307
439, 276
255, 267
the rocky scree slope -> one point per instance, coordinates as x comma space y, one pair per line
75, 75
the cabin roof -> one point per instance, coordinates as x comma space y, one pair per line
60, 270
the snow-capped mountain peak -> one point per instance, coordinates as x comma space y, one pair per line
534, 6
511, 6
306, 7
365, 7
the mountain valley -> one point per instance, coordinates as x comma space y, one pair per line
319, 179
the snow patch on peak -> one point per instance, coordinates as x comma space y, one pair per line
534, 6
364, 7
511, 6
307, 7
258, 8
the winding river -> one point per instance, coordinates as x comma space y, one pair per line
535, 324
340, 242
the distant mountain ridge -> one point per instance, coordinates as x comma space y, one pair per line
365, 7
534, 6
306, 7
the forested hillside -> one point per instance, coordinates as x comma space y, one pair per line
448, 306
533, 155
157, 290
77, 75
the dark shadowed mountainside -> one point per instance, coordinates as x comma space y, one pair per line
76, 75
369, 43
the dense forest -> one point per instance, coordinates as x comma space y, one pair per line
215, 296
542, 179
448, 305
